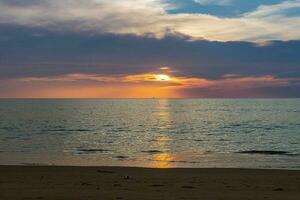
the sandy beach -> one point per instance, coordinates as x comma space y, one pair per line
49, 182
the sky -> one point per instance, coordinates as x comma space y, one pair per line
149, 48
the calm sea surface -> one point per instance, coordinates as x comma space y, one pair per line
252, 133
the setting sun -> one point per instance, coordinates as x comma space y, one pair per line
162, 77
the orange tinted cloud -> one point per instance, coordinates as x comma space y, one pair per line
130, 86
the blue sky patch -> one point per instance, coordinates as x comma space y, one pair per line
235, 8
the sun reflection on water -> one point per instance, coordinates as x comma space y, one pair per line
164, 159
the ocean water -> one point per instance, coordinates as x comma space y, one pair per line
247, 133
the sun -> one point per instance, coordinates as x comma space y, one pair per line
162, 77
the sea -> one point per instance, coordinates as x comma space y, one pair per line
156, 133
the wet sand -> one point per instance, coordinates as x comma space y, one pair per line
49, 182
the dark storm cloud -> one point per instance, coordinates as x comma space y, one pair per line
33, 52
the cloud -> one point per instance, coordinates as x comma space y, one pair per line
35, 61
274, 10
145, 85
34, 52
214, 2
144, 17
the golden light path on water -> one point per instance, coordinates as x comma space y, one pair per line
164, 159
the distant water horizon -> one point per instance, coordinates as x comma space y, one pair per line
153, 132
124, 98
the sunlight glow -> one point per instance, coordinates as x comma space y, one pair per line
162, 77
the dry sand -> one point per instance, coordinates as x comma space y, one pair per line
48, 182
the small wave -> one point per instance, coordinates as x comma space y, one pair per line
121, 157
107, 125
82, 150
152, 151
267, 152
67, 130
223, 140
11, 138
252, 125
177, 161
237, 125
122, 130
36, 164
6, 128
294, 143
295, 111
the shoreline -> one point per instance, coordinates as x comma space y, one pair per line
92, 182
145, 167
